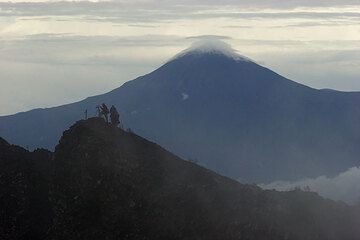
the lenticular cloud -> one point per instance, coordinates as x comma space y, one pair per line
213, 46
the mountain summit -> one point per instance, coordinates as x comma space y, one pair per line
211, 47
234, 116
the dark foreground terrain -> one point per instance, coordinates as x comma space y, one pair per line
105, 183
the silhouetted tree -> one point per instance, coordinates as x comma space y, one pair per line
105, 111
114, 116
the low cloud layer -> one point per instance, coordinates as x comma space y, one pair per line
343, 187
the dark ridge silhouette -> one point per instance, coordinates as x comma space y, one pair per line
106, 183
25, 208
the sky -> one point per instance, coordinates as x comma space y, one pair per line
56, 52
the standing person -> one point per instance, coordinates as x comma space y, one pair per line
114, 116
105, 111
98, 110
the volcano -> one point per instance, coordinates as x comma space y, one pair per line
226, 112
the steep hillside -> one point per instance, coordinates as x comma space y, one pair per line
106, 183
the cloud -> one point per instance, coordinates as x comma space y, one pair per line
238, 26
209, 37
212, 44
68, 49
343, 187
243, 3
151, 11
319, 24
279, 3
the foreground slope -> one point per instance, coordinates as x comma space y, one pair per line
231, 114
106, 183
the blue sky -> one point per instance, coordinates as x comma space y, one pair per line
56, 52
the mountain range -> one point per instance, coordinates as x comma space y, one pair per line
105, 183
225, 111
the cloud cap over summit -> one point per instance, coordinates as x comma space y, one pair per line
211, 45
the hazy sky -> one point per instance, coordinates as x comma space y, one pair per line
56, 52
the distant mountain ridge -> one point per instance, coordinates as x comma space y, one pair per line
234, 116
106, 183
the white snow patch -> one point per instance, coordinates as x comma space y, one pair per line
184, 96
343, 187
212, 46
